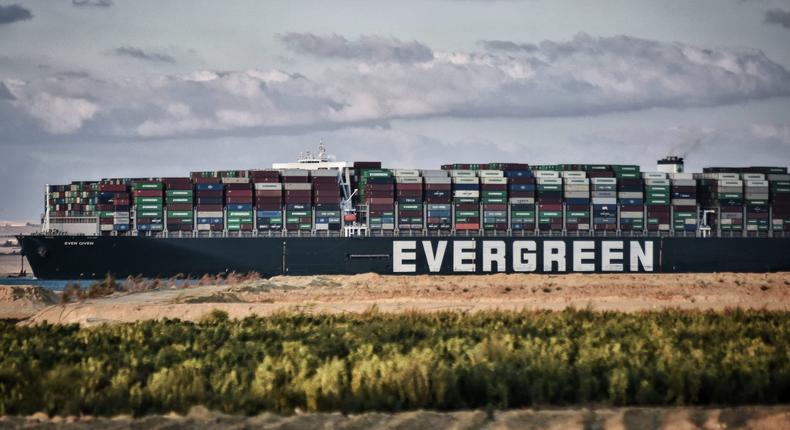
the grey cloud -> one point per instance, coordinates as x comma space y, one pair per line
778, 17
13, 13
92, 3
133, 52
5, 94
579, 77
505, 45
366, 48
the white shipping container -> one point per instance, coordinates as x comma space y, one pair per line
466, 180
630, 195
734, 190
466, 194
235, 180
204, 226
730, 183
684, 202
574, 174
604, 181
408, 179
406, 172
268, 186
107, 227
778, 177
577, 181
490, 173
462, 173
546, 174
210, 214
549, 181
576, 195
493, 180
753, 177
434, 173
657, 182
606, 194
727, 176
437, 180
300, 186
654, 175
318, 226
684, 182
575, 187
584, 226
686, 176
631, 214
756, 183
604, 201
522, 200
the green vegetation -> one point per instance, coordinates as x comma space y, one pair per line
394, 362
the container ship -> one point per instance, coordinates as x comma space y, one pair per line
318, 216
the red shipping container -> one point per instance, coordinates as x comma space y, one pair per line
239, 193
238, 200
112, 187
121, 202
467, 226
148, 193
296, 179
209, 194
179, 206
265, 180
208, 208
409, 186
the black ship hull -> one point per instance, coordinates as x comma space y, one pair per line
85, 257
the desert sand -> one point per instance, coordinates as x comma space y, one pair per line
760, 417
359, 293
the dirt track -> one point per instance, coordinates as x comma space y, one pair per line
629, 293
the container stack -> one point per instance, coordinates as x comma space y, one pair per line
209, 193
114, 204
577, 200
521, 193
658, 209
380, 196
604, 202
268, 199
683, 198
179, 204
78, 199
238, 200
298, 200
756, 195
730, 196
631, 202
326, 199
149, 205
466, 200
409, 195
493, 186
780, 201
549, 200
438, 200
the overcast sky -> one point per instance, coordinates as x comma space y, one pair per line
115, 88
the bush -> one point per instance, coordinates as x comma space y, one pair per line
377, 361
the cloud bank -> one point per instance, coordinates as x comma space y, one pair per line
14, 13
778, 17
579, 77
140, 54
367, 48
92, 3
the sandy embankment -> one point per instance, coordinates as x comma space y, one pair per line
333, 294
751, 417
